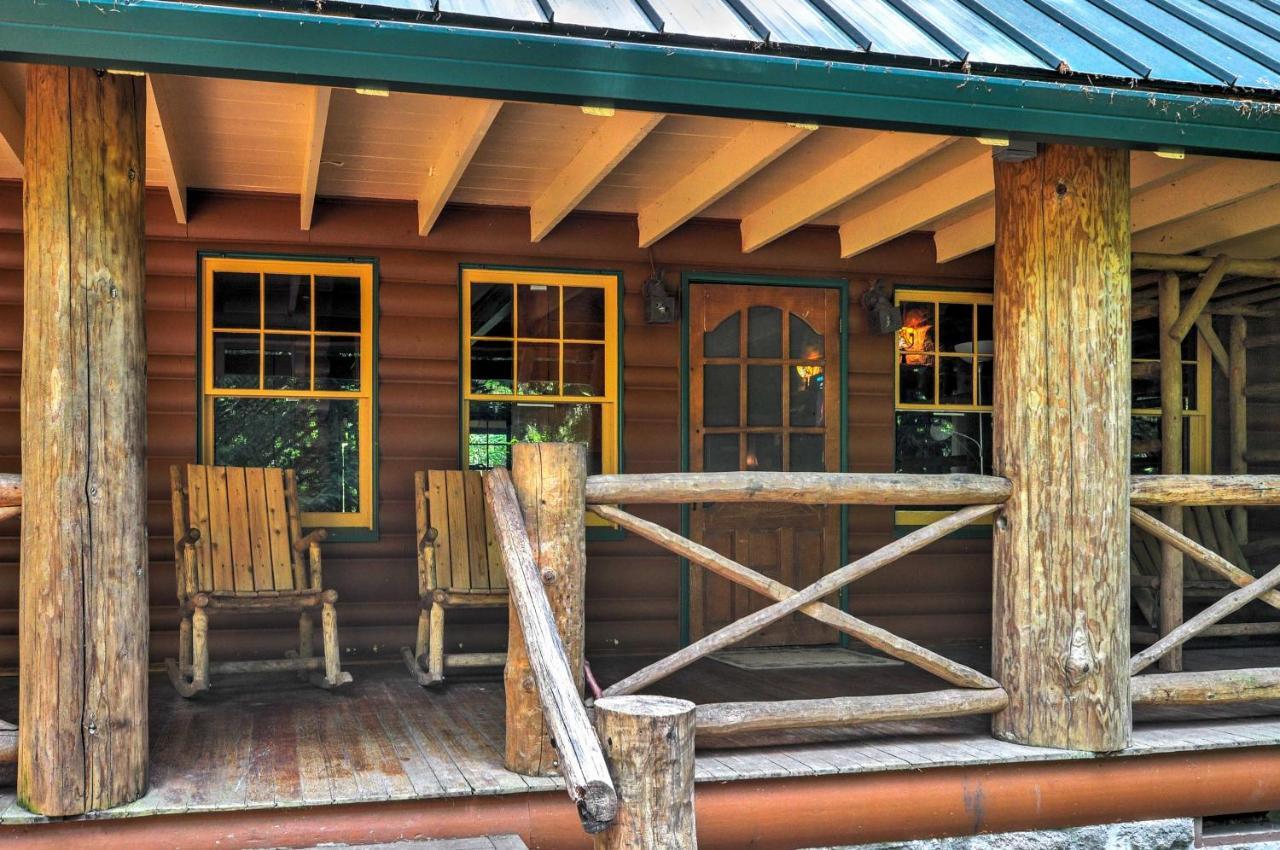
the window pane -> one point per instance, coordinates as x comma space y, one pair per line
720, 453
1146, 384
764, 332
723, 340
583, 312
986, 381
764, 452
1146, 339
491, 306
318, 438
1145, 456
955, 327
235, 361
808, 453
538, 365
491, 367
986, 327
338, 363
955, 381
288, 302
538, 308
764, 395
499, 423
805, 343
583, 369
235, 300
915, 383
1190, 394
807, 397
720, 398
337, 303
286, 362
933, 443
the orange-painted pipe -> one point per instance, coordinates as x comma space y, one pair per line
762, 815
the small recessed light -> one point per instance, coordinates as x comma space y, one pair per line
599, 111
995, 141
1171, 153
126, 72
801, 126
373, 91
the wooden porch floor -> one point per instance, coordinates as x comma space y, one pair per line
268, 741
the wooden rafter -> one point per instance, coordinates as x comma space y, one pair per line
977, 230
756, 145
468, 123
1240, 218
610, 142
875, 157
12, 126
162, 98
318, 108
879, 220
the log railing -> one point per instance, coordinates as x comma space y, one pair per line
1165, 491
975, 693
10, 495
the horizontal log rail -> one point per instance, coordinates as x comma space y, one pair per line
582, 760
1217, 686
800, 600
727, 718
10, 495
1150, 491
809, 488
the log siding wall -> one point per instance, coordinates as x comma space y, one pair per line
632, 588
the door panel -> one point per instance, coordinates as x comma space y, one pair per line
759, 399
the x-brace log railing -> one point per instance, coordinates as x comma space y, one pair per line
874, 636
1250, 590
799, 600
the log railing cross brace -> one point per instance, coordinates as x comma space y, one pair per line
824, 586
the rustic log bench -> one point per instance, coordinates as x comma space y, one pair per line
459, 566
239, 547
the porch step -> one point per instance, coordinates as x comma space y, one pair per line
480, 842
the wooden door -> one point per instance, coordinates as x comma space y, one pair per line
764, 394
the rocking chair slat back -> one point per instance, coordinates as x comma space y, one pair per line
247, 524
466, 560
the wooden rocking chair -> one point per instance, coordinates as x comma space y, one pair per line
238, 546
459, 566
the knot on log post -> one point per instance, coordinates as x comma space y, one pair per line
1080, 659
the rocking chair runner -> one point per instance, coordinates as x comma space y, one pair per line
239, 547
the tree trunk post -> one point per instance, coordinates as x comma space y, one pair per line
648, 741
1061, 602
1239, 417
550, 481
1171, 425
83, 583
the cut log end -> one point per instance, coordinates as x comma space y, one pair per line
597, 806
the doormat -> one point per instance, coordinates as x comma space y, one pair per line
800, 657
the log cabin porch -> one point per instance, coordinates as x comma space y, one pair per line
927, 302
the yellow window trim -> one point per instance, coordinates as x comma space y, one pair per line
608, 403
363, 518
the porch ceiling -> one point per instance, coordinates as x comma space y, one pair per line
771, 178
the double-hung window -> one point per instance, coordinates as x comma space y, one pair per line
540, 363
287, 377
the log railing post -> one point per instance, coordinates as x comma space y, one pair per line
1239, 417
1062, 306
550, 481
649, 744
1171, 424
83, 580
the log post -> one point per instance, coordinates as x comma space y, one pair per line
1236, 377
1061, 602
1171, 423
83, 583
550, 481
649, 743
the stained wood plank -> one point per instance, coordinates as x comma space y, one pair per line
259, 528
456, 497
477, 545
198, 491
438, 504
293, 511
242, 563
278, 529
220, 530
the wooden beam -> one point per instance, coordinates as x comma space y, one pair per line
1062, 437
1216, 490
1155, 261
318, 112
538, 664
467, 123
1204, 324
12, 126
756, 145
1207, 688
807, 488
1200, 298
873, 221
977, 230
10, 489
163, 95
875, 157
610, 142
727, 718
1233, 220
82, 626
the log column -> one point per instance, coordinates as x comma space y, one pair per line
1061, 604
550, 481
1171, 425
83, 583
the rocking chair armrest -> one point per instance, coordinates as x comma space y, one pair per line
428, 539
317, 536
186, 570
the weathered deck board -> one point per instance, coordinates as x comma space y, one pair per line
273, 742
